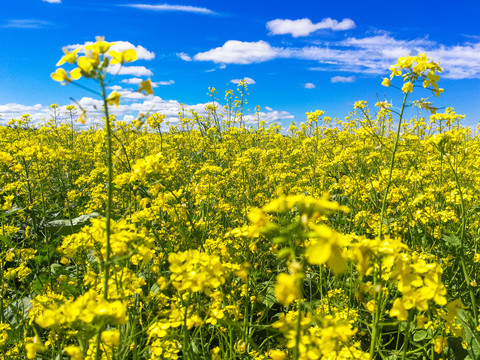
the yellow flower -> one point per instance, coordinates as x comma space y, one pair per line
398, 310
440, 343
75, 352
85, 64
69, 57
123, 57
76, 73
370, 306
386, 82
145, 86
60, 75
286, 289
33, 348
407, 87
114, 98
111, 337
100, 46
277, 354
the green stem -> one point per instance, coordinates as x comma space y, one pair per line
462, 243
407, 335
296, 351
109, 190
376, 316
392, 162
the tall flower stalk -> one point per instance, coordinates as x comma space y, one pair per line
95, 65
412, 70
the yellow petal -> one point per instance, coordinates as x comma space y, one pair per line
318, 252
129, 55
76, 73
60, 75
114, 98
146, 86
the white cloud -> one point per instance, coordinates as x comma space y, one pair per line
142, 53
163, 83
368, 55
134, 81
129, 70
167, 7
239, 52
304, 27
271, 116
53, 1
309, 86
131, 104
26, 24
249, 81
342, 79
184, 56
37, 112
115, 87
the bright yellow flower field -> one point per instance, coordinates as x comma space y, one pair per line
350, 238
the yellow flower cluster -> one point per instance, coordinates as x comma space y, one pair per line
88, 308
196, 271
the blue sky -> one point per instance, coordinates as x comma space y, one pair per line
297, 56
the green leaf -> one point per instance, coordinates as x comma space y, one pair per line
67, 227
6, 241
471, 334
420, 335
452, 240
269, 298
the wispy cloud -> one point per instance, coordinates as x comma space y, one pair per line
134, 81
184, 56
342, 79
117, 69
26, 24
163, 83
168, 7
53, 1
309, 86
304, 27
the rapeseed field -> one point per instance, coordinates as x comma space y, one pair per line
351, 238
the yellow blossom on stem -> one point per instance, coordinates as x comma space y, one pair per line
386, 82
407, 87
60, 75
123, 57
114, 98
146, 86
69, 57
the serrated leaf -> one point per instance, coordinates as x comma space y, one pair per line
67, 226
452, 240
